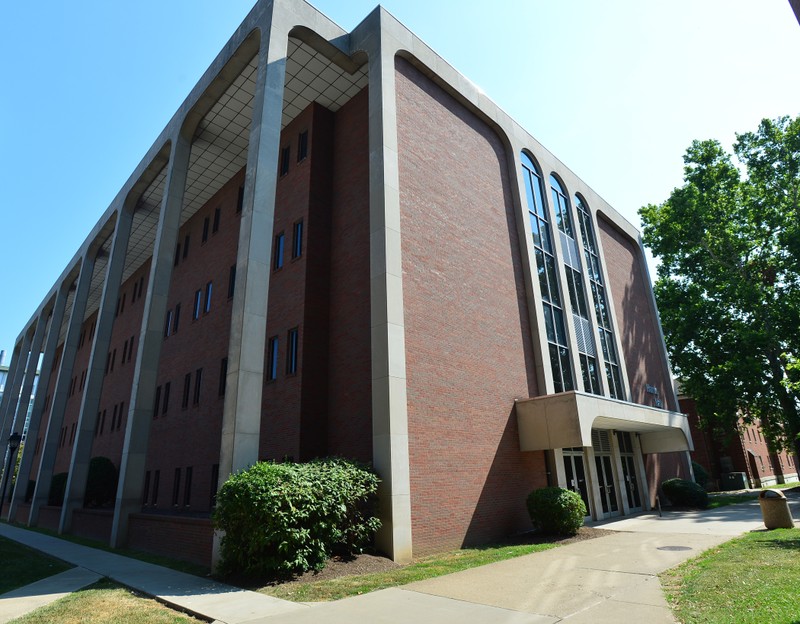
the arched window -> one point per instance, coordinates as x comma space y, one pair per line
548, 278
601, 309
561, 207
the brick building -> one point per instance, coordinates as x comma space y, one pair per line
745, 452
339, 245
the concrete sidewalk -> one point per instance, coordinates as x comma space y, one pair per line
608, 579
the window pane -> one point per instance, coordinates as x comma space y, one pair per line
555, 363
552, 279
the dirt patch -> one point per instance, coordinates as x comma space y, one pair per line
368, 564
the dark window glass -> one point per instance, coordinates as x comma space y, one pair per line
240, 198
121, 414
187, 388
215, 224
198, 380
207, 306
277, 253
186, 247
223, 374
114, 418
102, 422
130, 348
177, 318
297, 240
561, 207
285, 156
156, 479
176, 487
165, 406
177, 254
272, 359
113, 359
168, 324
146, 490
206, 223
187, 488
292, 340
157, 402
231, 281
198, 298
302, 146
124, 355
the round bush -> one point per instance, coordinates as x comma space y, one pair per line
682, 493
283, 518
700, 475
58, 485
556, 510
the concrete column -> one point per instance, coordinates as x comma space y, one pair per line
641, 473
556, 459
619, 474
50, 345
12, 370
140, 412
93, 389
18, 422
389, 399
49, 446
16, 373
241, 420
593, 484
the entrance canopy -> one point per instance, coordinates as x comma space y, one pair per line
566, 420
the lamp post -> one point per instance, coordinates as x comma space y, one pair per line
13, 445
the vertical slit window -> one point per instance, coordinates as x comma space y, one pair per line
286, 154
302, 146
231, 281
165, 403
187, 487
198, 381
177, 318
277, 254
558, 348
240, 199
272, 359
176, 487
146, 490
215, 224
156, 479
292, 340
206, 223
223, 374
297, 239
207, 304
187, 388
186, 247
198, 298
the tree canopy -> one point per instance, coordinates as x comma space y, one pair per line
728, 287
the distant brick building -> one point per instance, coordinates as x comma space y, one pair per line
745, 452
338, 245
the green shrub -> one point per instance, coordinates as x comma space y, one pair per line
682, 493
556, 510
101, 482
283, 518
700, 475
58, 486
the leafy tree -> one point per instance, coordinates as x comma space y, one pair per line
728, 286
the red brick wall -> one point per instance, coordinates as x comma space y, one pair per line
350, 372
636, 318
468, 341
93, 523
186, 539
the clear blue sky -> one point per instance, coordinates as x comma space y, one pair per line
616, 89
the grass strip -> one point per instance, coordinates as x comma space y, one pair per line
28, 565
102, 602
752, 579
425, 568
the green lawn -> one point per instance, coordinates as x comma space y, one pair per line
752, 579
104, 602
428, 567
722, 500
28, 565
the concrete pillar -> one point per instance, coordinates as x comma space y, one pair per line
12, 370
49, 446
16, 373
93, 389
593, 483
18, 422
389, 400
50, 345
241, 420
619, 474
641, 472
140, 412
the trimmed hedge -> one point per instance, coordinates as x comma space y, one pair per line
283, 518
556, 510
700, 475
101, 482
58, 486
682, 493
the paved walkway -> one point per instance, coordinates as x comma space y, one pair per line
608, 579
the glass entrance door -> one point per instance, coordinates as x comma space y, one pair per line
605, 478
576, 474
629, 471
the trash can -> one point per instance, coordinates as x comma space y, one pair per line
775, 510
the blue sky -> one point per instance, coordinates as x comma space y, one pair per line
616, 89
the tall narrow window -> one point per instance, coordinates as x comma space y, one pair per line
240, 199
177, 254
177, 318
272, 359
176, 487
156, 479
130, 347
548, 279
186, 247
124, 353
187, 487
113, 359
277, 253
215, 224
292, 339
165, 403
206, 223
198, 380
302, 146
223, 374
168, 324
114, 418
207, 304
120, 415
198, 302
601, 310
285, 156
146, 490
187, 388
231, 281
297, 239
